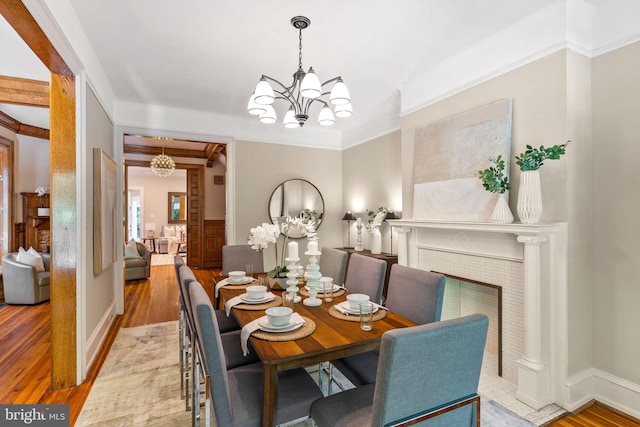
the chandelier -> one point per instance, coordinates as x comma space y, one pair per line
304, 91
162, 165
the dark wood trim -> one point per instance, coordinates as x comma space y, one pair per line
19, 91
15, 126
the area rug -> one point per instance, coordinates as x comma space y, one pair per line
163, 259
139, 383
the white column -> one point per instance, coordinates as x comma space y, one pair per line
533, 378
403, 245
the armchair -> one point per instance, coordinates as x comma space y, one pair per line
138, 268
22, 283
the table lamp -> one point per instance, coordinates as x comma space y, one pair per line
348, 216
150, 227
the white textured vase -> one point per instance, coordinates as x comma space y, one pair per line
530, 197
376, 241
502, 213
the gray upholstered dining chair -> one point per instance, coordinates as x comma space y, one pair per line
230, 330
413, 293
333, 263
424, 372
236, 395
365, 275
236, 258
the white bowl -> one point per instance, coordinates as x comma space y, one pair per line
236, 276
356, 299
279, 316
256, 292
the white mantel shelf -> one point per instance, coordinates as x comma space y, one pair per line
513, 228
542, 248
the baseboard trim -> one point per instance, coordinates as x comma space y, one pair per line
593, 384
99, 335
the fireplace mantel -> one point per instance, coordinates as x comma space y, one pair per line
542, 249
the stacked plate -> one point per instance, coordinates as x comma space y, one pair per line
291, 326
345, 308
268, 297
336, 288
244, 281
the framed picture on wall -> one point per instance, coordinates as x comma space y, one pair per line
104, 211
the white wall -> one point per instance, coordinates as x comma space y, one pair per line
616, 290
261, 167
372, 178
156, 196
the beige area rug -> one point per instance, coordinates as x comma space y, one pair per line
164, 259
139, 383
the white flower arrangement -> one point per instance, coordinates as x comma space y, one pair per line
262, 235
42, 190
376, 218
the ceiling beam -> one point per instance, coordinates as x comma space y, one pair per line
19, 91
21, 128
17, 15
171, 152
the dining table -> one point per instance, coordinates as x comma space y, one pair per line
334, 335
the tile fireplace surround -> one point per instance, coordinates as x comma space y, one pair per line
529, 261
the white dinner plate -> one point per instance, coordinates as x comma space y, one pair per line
265, 326
336, 288
240, 282
248, 300
347, 309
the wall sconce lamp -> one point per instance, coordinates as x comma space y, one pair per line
391, 215
348, 216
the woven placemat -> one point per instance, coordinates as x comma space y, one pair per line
304, 331
276, 302
305, 293
333, 311
237, 286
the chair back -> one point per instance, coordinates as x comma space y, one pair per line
427, 367
236, 257
333, 263
178, 262
186, 279
214, 361
415, 294
365, 275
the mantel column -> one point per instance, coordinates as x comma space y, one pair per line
403, 245
533, 382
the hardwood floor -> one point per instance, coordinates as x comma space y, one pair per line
25, 359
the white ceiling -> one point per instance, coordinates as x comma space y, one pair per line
207, 55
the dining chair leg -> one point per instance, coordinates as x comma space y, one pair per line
195, 391
187, 367
181, 339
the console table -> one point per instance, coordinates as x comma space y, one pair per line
390, 258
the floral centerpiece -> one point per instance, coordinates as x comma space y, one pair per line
376, 218
262, 235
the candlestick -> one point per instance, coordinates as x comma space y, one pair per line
359, 239
292, 278
313, 276
293, 250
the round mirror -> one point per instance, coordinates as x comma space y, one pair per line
296, 198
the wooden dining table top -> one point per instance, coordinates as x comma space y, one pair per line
333, 338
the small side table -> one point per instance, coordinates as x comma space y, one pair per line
152, 240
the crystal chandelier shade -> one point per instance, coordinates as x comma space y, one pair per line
305, 91
163, 165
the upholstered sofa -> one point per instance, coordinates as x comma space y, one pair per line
170, 238
137, 267
22, 283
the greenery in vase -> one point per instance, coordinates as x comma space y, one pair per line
376, 217
533, 158
493, 178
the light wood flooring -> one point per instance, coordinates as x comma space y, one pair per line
25, 360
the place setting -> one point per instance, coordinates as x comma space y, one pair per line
255, 297
278, 324
236, 280
355, 307
327, 289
